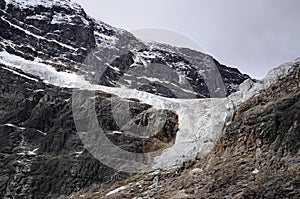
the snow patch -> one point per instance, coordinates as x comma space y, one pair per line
117, 132
43, 133
33, 152
116, 190
105, 40
256, 171
14, 126
37, 17
60, 18
195, 171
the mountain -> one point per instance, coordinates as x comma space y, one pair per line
89, 111
61, 35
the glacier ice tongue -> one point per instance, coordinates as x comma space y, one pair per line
43, 71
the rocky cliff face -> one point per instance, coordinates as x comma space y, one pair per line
41, 153
256, 156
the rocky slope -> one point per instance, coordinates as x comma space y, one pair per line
256, 156
42, 156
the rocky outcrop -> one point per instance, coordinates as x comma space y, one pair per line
257, 155
42, 155
187, 77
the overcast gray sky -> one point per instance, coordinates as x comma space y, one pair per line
252, 35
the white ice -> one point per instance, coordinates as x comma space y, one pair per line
43, 71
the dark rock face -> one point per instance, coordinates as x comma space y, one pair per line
159, 72
41, 153
257, 155
232, 77
60, 32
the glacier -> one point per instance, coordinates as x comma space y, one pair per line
200, 120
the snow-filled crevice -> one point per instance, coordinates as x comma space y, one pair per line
38, 36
